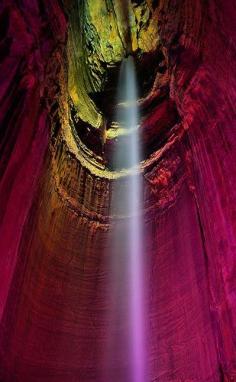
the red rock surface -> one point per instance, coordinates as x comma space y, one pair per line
54, 218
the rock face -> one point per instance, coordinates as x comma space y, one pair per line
59, 67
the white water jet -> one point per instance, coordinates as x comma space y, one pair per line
128, 345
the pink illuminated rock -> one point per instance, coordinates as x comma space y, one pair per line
55, 211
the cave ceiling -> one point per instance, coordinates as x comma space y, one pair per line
100, 36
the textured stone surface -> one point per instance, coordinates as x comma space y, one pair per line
56, 185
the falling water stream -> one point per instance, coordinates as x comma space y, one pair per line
127, 351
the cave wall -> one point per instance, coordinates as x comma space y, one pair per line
55, 207
27, 43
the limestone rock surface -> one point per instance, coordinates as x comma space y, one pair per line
59, 63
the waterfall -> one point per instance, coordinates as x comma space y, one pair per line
127, 349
